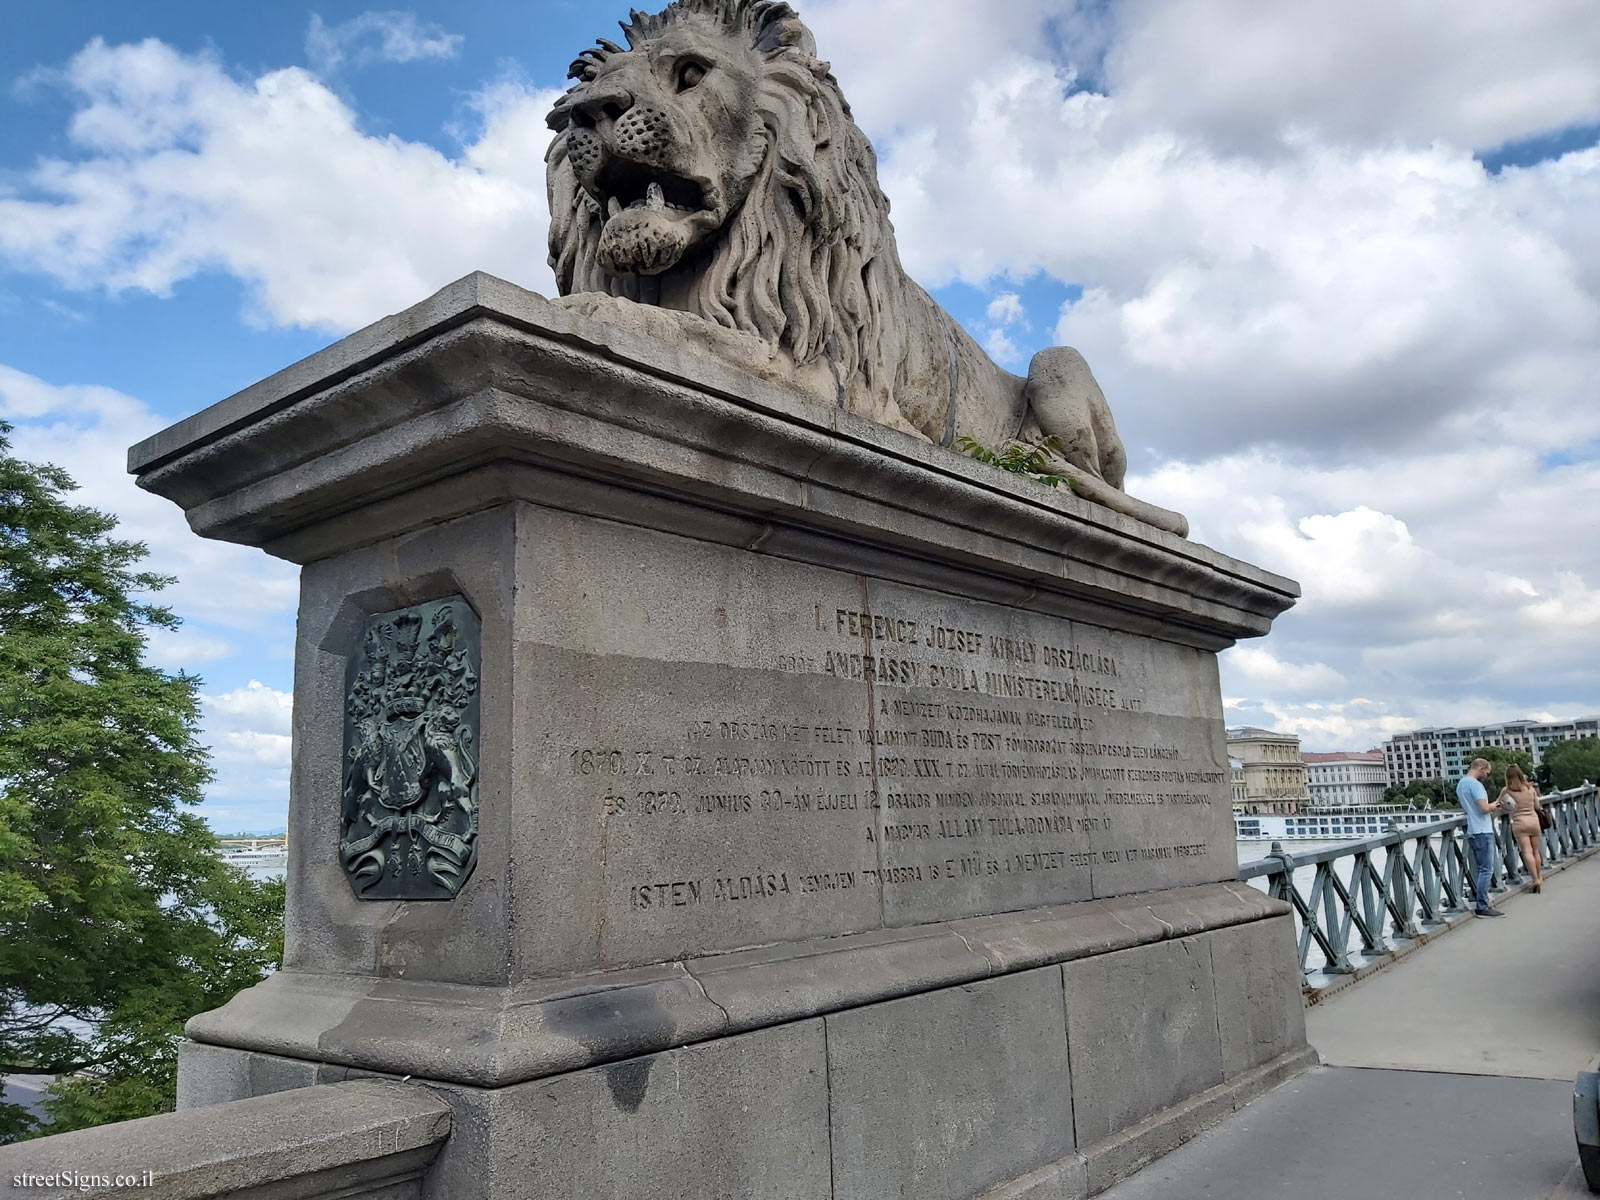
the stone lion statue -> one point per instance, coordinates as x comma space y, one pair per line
707, 182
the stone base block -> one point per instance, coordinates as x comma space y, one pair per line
1047, 1083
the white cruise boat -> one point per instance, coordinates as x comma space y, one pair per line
255, 855
1331, 824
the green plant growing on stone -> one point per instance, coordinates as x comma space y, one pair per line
1030, 459
117, 919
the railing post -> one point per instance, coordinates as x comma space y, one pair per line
1454, 852
1402, 894
1428, 881
1280, 882
1505, 843
1337, 931
1371, 926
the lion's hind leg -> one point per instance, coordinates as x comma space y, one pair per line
1067, 404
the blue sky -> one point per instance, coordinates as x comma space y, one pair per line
1346, 307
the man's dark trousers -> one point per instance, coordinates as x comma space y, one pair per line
1482, 845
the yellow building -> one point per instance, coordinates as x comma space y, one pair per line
1274, 777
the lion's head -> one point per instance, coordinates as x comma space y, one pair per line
712, 166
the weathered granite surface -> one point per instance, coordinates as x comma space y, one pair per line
1005, 1088
369, 1138
493, 1036
785, 719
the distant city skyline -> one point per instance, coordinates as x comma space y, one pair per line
1442, 752
1347, 314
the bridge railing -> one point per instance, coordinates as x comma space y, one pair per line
1364, 900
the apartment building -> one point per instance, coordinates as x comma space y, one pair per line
1442, 753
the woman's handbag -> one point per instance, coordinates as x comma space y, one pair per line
1545, 819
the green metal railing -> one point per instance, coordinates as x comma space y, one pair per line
1365, 900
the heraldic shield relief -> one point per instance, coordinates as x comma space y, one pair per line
410, 817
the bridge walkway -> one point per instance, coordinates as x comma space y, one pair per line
1447, 1076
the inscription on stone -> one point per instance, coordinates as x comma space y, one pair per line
774, 767
410, 797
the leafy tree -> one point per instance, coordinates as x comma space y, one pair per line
1573, 762
1424, 793
1500, 757
117, 920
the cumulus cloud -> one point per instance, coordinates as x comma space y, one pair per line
1457, 588
1330, 335
1264, 669
1476, 73
1006, 309
181, 168
1002, 349
247, 729
395, 37
1345, 348
86, 430
251, 724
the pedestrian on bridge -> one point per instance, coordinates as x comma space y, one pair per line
1480, 832
1525, 822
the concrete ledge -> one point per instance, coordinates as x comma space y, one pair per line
368, 1138
1586, 1123
497, 1036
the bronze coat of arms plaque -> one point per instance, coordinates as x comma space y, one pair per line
410, 790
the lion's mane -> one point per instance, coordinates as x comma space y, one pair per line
792, 264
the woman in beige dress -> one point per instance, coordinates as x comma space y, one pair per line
1525, 821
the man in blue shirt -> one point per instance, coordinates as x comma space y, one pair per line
1480, 832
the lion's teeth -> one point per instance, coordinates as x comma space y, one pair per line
613, 206
654, 197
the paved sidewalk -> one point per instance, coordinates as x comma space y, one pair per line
1449, 1074
1519, 995
1342, 1132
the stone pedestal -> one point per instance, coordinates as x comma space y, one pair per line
847, 818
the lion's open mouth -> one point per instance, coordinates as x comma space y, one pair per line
624, 186
650, 217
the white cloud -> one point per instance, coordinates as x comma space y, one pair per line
1329, 335
1459, 588
1006, 309
184, 169
247, 730
86, 430
184, 649
1260, 667
1476, 73
1002, 349
395, 37
255, 707
1358, 724
1356, 278
1345, 349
